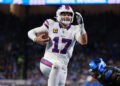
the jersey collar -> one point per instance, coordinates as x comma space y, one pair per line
67, 28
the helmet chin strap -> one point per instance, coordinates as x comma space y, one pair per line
66, 22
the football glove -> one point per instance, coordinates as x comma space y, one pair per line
79, 18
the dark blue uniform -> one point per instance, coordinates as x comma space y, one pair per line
106, 75
110, 76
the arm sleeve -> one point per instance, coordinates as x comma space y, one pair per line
81, 31
32, 33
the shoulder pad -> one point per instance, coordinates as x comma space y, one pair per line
48, 22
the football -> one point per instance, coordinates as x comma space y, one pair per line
44, 36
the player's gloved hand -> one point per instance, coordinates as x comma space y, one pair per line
80, 22
41, 40
79, 18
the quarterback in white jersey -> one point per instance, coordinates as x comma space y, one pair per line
60, 44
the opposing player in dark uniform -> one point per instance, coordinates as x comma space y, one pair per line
106, 75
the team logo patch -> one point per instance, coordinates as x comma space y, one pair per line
55, 30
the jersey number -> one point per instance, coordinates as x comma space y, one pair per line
64, 50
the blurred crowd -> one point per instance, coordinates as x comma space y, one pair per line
20, 57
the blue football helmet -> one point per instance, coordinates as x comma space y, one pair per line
97, 64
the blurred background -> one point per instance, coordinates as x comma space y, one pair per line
20, 57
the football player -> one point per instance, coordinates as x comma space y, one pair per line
59, 43
106, 75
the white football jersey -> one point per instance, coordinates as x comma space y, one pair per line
62, 41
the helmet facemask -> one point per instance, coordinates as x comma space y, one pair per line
63, 18
66, 18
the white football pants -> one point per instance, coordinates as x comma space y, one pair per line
56, 72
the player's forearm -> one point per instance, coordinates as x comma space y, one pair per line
83, 39
32, 33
